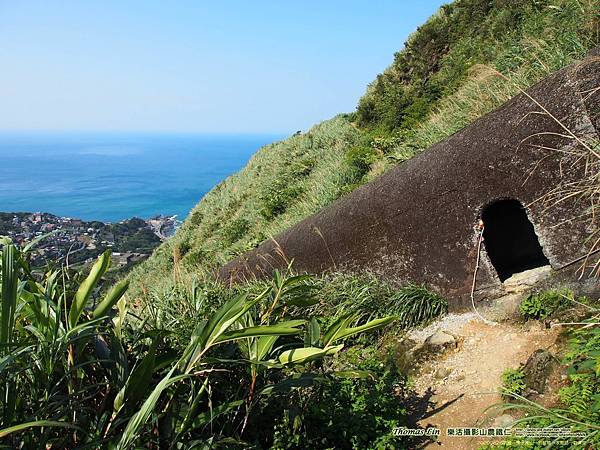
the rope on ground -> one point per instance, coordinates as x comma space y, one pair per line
480, 228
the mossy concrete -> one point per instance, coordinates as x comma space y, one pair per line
418, 222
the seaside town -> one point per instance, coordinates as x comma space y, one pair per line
74, 241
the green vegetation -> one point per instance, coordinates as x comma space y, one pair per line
580, 409
513, 382
542, 305
466, 60
582, 396
359, 411
261, 365
370, 297
132, 235
283, 183
526, 39
181, 361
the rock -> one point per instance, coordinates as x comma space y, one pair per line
505, 307
503, 421
522, 281
442, 373
408, 353
440, 339
537, 369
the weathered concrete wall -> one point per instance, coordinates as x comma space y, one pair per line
417, 222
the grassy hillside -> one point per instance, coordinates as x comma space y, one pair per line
297, 361
446, 76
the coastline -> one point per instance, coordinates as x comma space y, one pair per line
75, 241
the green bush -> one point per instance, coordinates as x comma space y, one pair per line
580, 409
513, 382
278, 197
582, 396
236, 229
361, 158
533, 35
76, 372
543, 304
342, 412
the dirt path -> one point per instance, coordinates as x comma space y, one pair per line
466, 380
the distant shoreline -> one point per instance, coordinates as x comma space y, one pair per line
113, 177
75, 240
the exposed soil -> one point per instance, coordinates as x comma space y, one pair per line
466, 379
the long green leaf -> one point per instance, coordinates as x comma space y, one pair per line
337, 327
261, 330
313, 333
111, 298
140, 418
88, 285
265, 344
207, 417
10, 278
305, 354
369, 326
218, 324
38, 423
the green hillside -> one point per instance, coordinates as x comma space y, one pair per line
446, 76
171, 358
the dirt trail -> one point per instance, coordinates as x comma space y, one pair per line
466, 380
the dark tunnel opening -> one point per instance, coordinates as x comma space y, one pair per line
510, 240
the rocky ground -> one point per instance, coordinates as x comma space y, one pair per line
458, 361
464, 379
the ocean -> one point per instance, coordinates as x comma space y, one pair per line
114, 176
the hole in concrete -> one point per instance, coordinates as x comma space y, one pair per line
510, 240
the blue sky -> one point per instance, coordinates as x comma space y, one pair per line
193, 66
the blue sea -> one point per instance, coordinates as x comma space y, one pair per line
115, 176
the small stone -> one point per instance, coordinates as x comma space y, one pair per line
440, 339
524, 280
503, 421
442, 373
537, 369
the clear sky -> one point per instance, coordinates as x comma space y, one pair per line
193, 66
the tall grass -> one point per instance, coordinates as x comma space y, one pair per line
71, 360
445, 84
367, 296
282, 184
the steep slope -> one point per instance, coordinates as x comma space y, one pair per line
283, 183
469, 58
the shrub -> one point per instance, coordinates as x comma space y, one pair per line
342, 412
534, 38
302, 167
580, 411
196, 218
583, 358
361, 158
76, 373
543, 304
415, 304
277, 197
368, 296
183, 247
513, 382
236, 229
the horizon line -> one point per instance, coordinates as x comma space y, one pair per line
156, 132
